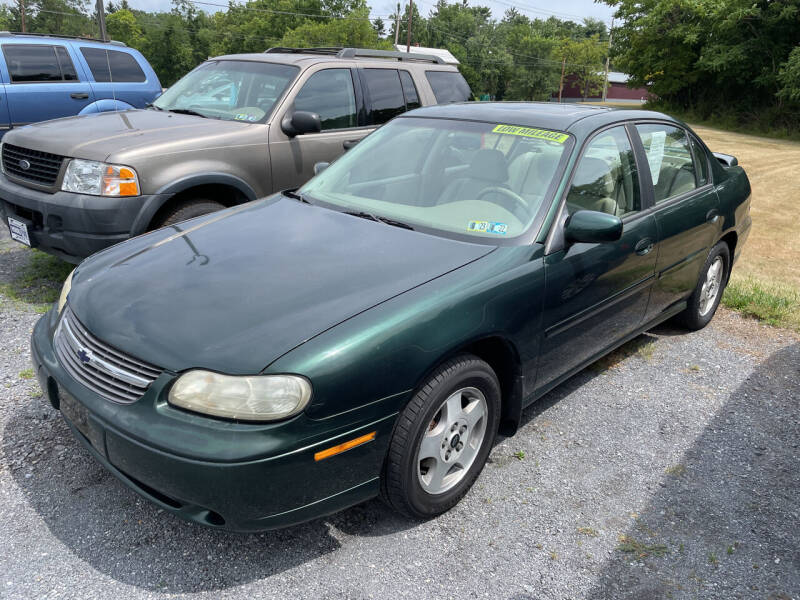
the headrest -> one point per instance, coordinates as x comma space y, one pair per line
489, 165
593, 177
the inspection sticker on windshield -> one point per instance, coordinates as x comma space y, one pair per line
487, 227
542, 134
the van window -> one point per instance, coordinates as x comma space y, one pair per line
410, 90
448, 86
31, 63
329, 93
386, 94
123, 66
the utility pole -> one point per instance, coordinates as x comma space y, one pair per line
410, 12
608, 57
22, 14
561, 85
101, 19
397, 25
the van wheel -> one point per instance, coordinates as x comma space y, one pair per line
442, 438
707, 294
189, 210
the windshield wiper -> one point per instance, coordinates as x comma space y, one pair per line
151, 105
187, 111
296, 196
365, 215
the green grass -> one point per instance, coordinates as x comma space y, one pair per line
39, 282
629, 545
26, 374
775, 304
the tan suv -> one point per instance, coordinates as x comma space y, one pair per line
236, 128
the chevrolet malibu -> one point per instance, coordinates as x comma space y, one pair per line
372, 332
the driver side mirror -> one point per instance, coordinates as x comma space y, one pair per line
301, 122
592, 227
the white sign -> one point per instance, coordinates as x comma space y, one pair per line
655, 155
19, 231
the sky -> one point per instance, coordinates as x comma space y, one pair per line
565, 9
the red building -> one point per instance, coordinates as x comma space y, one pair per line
618, 91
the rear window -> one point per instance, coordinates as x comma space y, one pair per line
410, 90
386, 94
29, 63
448, 86
123, 66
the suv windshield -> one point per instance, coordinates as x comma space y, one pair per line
477, 180
230, 90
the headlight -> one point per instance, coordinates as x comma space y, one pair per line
254, 398
99, 179
62, 299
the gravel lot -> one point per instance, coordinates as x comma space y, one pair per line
668, 470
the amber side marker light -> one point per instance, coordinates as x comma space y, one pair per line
323, 454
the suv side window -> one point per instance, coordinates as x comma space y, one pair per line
448, 86
669, 157
385, 93
606, 179
33, 63
329, 93
409, 90
124, 67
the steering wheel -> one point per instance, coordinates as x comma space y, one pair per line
517, 201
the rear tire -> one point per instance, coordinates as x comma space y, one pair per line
705, 299
442, 438
190, 209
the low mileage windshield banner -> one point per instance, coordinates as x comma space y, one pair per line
542, 134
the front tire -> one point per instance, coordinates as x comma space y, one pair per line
442, 439
705, 299
190, 209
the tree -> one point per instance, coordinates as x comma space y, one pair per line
353, 31
380, 27
123, 26
584, 62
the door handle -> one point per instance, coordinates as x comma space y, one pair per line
79, 95
712, 216
644, 246
349, 144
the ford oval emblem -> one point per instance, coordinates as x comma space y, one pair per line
24, 165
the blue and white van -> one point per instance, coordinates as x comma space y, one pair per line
46, 77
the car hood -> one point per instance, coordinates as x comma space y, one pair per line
235, 290
99, 136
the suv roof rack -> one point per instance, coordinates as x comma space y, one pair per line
65, 37
340, 52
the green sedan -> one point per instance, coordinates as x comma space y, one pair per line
372, 332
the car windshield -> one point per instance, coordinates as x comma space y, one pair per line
483, 181
231, 90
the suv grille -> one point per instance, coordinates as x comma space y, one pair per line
42, 167
106, 371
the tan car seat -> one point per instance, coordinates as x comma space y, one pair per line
593, 186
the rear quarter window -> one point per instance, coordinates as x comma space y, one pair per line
448, 86
124, 67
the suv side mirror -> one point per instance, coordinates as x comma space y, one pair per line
301, 122
592, 227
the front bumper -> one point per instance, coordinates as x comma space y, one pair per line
235, 476
73, 226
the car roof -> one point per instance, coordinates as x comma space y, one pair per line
550, 115
302, 59
48, 40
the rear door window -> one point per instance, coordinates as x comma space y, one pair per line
29, 63
448, 86
123, 67
409, 91
329, 93
669, 157
386, 94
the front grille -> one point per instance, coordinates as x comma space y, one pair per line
42, 167
106, 371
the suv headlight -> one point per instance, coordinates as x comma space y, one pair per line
250, 398
100, 179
